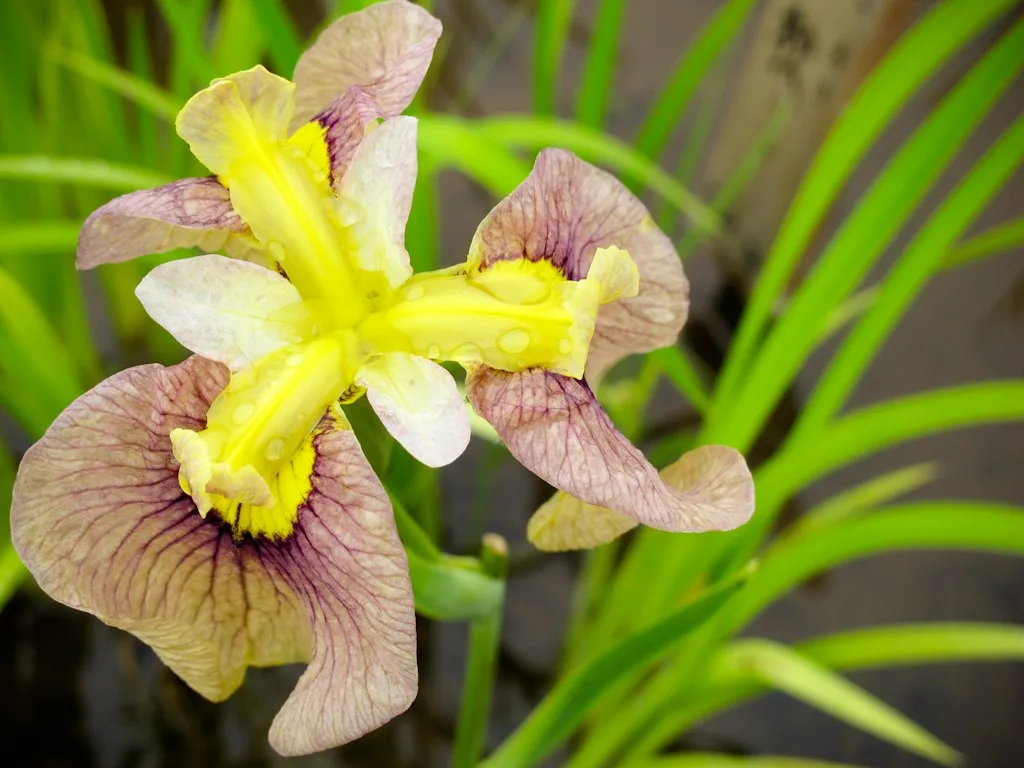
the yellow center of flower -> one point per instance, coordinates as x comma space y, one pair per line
253, 461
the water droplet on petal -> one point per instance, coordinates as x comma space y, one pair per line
243, 413
564, 347
514, 341
466, 353
434, 352
294, 361
416, 292
275, 449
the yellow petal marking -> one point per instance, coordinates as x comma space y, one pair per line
280, 187
252, 462
512, 316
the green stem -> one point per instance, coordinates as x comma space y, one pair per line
481, 663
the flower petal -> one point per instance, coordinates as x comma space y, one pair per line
345, 122
184, 213
419, 403
556, 428
99, 518
230, 311
375, 196
385, 49
348, 567
564, 522
101, 522
564, 212
226, 124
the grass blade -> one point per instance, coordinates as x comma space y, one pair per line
38, 237
938, 35
137, 90
595, 87
922, 258
727, 684
72, 170
279, 31
787, 670
567, 704
451, 142
680, 371
865, 233
553, 18
536, 133
998, 239
688, 75
864, 498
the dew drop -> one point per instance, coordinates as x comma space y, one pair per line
434, 352
275, 449
294, 361
466, 353
416, 292
514, 341
243, 413
564, 347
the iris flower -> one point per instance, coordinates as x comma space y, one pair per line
221, 510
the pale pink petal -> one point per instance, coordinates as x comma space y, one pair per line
101, 521
230, 311
385, 49
347, 564
563, 212
556, 428
345, 122
419, 403
182, 214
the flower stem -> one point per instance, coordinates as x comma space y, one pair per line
481, 663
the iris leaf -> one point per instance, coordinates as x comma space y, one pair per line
688, 75
943, 30
787, 670
568, 703
536, 133
83, 171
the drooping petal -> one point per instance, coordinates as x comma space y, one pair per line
564, 522
385, 49
101, 521
347, 565
375, 196
419, 403
230, 311
556, 428
182, 214
564, 212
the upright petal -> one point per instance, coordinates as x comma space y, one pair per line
101, 521
375, 197
419, 403
182, 214
564, 212
229, 311
345, 122
385, 49
226, 124
556, 428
